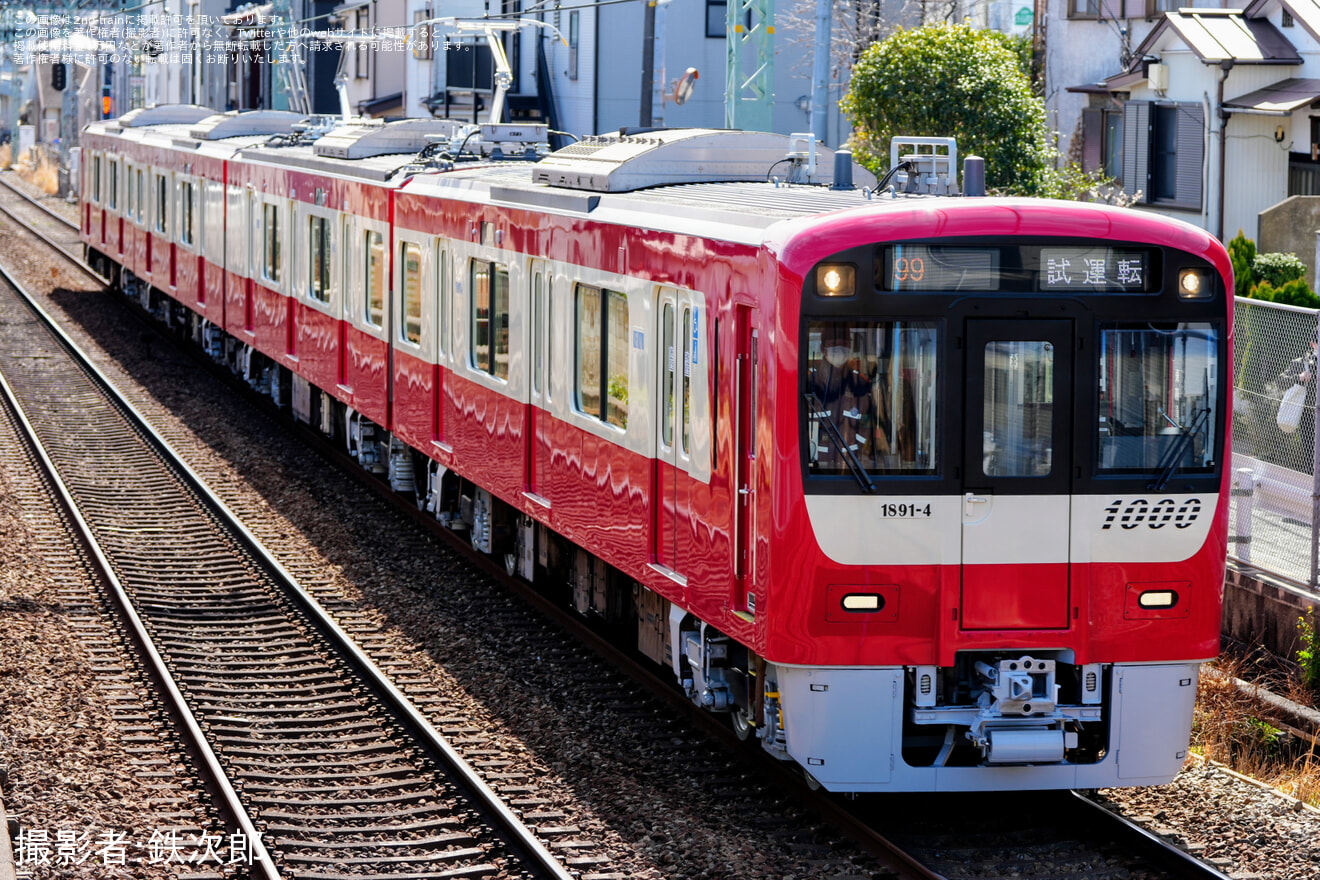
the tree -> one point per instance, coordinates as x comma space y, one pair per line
954, 81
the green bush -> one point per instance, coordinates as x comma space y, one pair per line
1297, 293
1242, 252
1278, 269
1308, 651
1262, 290
953, 81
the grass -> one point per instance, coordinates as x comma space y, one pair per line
38, 169
1229, 727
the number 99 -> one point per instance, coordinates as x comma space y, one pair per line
913, 269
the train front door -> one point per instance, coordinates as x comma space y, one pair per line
1017, 464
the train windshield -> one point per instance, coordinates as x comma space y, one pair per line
871, 391
1158, 398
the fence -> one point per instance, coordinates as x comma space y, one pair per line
1275, 518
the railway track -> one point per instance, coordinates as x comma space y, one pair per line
918, 849
335, 770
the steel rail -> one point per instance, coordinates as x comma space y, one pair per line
1182, 864
522, 841
214, 778
72, 257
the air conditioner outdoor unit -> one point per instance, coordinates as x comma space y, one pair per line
1157, 77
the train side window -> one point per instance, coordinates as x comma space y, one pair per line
670, 354
602, 354
318, 258
162, 203
271, 250
410, 303
373, 252
141, 196
96, 180
549, 330
113, 201
442, 299
186, 213
538, 330
213, 233
689, 341
489, 284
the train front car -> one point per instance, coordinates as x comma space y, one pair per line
1002, 442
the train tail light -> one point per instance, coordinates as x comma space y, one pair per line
1158, 599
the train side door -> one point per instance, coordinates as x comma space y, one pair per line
538, 428
744, 458
1017, 462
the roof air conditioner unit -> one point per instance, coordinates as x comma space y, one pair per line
1157, 77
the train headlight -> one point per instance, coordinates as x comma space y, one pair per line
1195, 284
836, 279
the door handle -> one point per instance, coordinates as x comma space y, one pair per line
971, 499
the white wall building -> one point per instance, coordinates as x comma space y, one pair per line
1213, 120
1086, 41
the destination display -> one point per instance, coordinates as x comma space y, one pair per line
925, 267
932, 268
1100, 270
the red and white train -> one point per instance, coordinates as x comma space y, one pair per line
928, 492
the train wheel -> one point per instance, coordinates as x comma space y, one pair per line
743, 728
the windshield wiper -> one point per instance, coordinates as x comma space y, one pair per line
817, 409
1176, 451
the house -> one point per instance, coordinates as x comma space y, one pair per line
1084, 42
1214, 119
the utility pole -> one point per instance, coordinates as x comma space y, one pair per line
648, 62
661, 77
820, 69
68, 100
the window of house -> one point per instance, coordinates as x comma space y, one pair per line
1083, 8
318, 258
489, 285
1287, 19
573, 37
1155, 7
186, 213
410, 303
717, 13
162, 202
270, 215
1164, 153
361, 66
374, 281
1113, 145
602, 354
